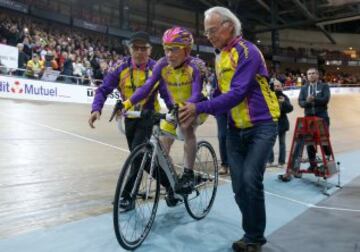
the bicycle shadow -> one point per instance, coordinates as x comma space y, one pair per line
175, 230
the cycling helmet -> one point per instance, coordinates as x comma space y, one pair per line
178, 36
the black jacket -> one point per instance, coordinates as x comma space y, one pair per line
322, 98
285, 107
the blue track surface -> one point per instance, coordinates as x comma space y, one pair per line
175, 230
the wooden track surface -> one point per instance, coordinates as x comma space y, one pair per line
55, 169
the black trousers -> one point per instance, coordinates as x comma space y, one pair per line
138, 131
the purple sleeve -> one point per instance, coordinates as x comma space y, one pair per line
165, 94
216, 92
110, 82
240, 85
196, 86
144, 91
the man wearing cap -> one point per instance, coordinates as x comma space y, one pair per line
127, 76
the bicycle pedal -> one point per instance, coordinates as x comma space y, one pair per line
184, 191
144, 196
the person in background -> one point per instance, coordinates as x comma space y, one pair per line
67, 69
314, 98
79, 70
283, 123
22, 60
50, 62
221, 122
35, 67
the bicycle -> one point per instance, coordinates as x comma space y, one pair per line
132, 227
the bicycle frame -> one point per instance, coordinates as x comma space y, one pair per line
159, 157
162, 158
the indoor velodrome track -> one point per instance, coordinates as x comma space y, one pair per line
58, 176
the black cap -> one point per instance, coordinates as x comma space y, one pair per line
140, 36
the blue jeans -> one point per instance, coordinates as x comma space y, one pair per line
282, 149
248, 151
222, 128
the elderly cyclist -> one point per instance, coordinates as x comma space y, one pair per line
180, 80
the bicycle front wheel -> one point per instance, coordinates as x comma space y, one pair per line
199, 203
136, 198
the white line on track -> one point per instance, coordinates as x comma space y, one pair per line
70, 133
309, 205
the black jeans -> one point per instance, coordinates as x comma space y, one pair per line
137, 131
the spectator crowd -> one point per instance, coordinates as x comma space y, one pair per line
73, 52
83, 57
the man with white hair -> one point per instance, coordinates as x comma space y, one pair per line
253, 111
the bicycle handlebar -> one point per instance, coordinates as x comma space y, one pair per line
170, 116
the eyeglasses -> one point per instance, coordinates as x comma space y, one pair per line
173, 49
140, 48
213, 30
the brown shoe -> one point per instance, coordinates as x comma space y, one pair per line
242, 246
223, 170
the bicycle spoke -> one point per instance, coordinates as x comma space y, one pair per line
133, 226
199, 203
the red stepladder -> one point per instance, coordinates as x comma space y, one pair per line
312, 130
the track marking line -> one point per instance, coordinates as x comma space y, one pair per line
309, 205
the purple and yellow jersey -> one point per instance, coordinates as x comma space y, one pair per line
242, 81
176, 85
127, 77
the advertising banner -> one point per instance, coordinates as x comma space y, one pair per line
9, 56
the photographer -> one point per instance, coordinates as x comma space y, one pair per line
283, 123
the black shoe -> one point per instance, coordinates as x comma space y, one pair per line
185, 184
126, 205
170, 200
284, 177
242, 246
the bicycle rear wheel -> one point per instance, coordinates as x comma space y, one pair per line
199, 203
137, 186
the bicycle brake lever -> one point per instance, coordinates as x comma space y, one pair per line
118, 106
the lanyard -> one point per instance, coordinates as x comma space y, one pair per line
131, 68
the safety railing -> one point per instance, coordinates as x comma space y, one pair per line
50, 75
55, 76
